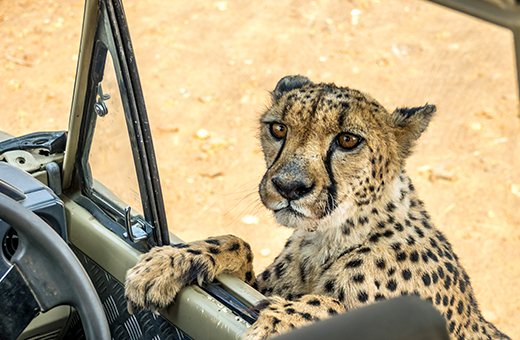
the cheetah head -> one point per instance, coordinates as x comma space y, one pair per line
331, 151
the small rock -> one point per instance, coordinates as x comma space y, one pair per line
485, 114
453, 46
442, 35
202, 134
214, 145
202, 156
265, 252
166, 130
354, 20
476, 126
221, 5
515, 189
425, 170
205, 99
215, 175
250, 219
434, 173
442, 174
383, 62
401, 50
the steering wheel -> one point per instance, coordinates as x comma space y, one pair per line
46, 267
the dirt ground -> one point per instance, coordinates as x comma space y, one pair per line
211, 64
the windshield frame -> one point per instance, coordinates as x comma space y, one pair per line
105, 29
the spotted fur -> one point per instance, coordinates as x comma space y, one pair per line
335, 173
160, 274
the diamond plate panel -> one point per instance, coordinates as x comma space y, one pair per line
142, 325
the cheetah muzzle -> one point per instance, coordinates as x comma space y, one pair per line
335, 173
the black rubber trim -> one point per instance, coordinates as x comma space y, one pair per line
139, 120
237, 307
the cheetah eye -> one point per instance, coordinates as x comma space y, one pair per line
349, 141
278, 131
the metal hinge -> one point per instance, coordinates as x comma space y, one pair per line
134, 233
100, 108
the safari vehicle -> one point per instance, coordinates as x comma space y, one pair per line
91, 230
67, 240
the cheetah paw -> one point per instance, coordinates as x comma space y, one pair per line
160, 274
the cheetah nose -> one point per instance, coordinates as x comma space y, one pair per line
292, 189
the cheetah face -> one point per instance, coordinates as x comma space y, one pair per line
330, 150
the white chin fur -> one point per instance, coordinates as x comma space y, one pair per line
304, 219
294, 220
279, 205
301, 210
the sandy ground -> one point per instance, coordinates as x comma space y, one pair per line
211, 64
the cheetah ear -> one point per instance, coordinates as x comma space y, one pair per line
287, 84
409, 124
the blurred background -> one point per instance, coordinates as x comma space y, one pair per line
207, 68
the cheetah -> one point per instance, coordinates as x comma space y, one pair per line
335, 174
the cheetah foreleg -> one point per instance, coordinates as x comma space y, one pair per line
160, 274
279, 316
